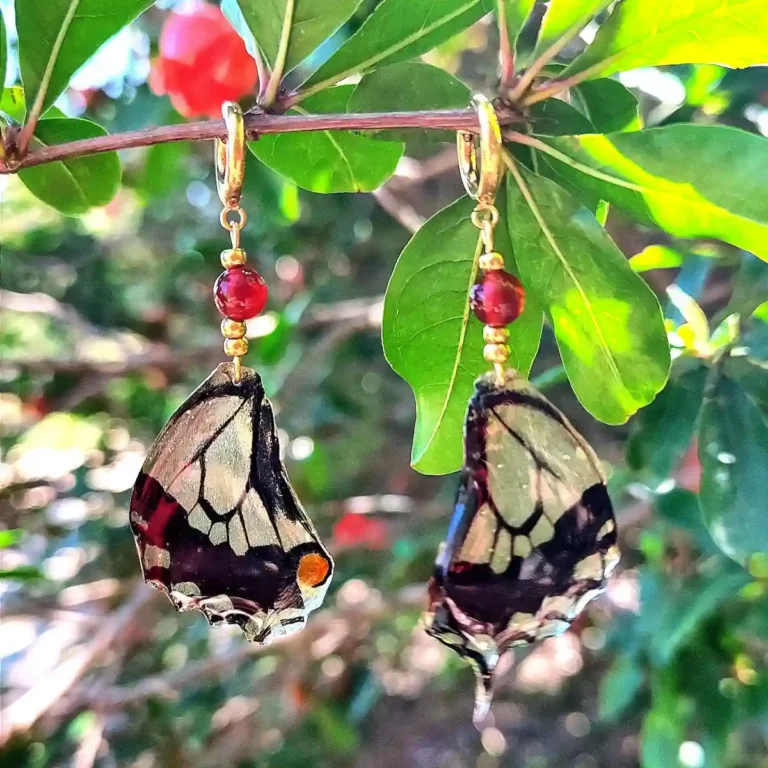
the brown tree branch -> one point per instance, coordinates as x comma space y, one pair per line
443, 119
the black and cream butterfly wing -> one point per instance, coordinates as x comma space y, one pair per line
217, 524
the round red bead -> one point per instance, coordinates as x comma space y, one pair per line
240, 293
498, 299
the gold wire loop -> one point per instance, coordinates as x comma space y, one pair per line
485, 217
229, 156
481, 170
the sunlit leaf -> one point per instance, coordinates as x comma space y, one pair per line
395, 31
57, 36
432, 339
656, 257
311, 22
77, 184
10, 537
649, 33
409, 86
691, 180
607, 322
609, 105
565, 18
329, 161
732, 450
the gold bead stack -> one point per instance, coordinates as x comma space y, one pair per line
233, 257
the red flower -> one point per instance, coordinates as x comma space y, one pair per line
353, 530
203, 62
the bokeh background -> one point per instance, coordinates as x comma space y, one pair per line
107, 324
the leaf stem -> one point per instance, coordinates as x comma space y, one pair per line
282, 54
256, 123
506, 54
28, 129
553, 87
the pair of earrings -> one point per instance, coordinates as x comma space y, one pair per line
219, 529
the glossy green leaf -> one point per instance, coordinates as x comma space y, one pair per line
12, 103
619, 688
607, 321
662, 432
566, 18
732, 450
748, 361
610, 106
57, 36
750, 286
75, 185
649, 33
409, 86
432, 339
310, 23
329, 161
656, 257
516, 13
690, 180
397, 30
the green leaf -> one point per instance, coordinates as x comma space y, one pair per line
405, 87
660, 741
681, 508
649, 33
72, 186
748, 362
565, 19
516, 13
662, 432
10, 537
750, 286
690, 180
57, 36
732, 450
396, 30
431, 338
12, 103
22, 573
329, 161
619, 688
656, 257
311, 22
554, 117
162, 170
3, 52
610, 106
607, 321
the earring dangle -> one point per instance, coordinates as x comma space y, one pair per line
217, 524
532, 538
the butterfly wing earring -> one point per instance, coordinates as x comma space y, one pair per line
533, 537
217, 525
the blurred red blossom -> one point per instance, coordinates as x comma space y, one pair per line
203, 62
353, 530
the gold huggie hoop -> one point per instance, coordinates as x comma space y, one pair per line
229, 156
481, 180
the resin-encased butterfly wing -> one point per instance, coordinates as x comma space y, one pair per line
217, 525
533, 537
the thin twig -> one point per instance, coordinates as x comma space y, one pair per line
257, 123
24, 712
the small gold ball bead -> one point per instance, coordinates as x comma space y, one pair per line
232, 329
233, 257
493, 335
496, 353
235, 347
491, 261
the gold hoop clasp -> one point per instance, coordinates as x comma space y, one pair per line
229, 156
481, 179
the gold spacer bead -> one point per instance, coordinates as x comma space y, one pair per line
235, 347
232, 329
491, 261
233, 257
493, 335
496, 353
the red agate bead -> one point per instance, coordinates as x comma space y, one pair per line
498, 299
240, 293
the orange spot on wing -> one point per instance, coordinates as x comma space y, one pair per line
313, 570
